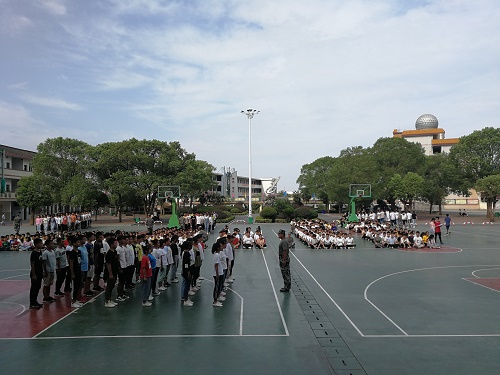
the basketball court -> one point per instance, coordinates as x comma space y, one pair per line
360, 311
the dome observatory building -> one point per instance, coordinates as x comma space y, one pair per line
428, 133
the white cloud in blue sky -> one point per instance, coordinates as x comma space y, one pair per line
325, 74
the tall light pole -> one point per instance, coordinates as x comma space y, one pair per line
250, 113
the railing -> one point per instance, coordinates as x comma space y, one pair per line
8, 195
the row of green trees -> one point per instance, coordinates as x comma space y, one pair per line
127, 173
398, 169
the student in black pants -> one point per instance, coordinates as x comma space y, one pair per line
75, 269
36, 273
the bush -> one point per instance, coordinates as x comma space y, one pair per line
305, 213
222, 215
261, 220
287, 214
283, 221
269, 212
235, 210
227, 219
204, 209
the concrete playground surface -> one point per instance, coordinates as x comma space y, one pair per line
361, 311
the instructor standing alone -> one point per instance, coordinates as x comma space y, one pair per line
284, 257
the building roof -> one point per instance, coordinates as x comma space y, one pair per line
445, 142
17, 152
416, 133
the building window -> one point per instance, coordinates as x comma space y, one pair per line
25, 167
7, 165
7, 188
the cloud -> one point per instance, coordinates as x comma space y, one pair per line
19, 128
56, 7
18, 86
51, 102
326, 75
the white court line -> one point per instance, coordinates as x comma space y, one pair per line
14, 303
92, 300
131, 337
275, 295
477, 235
21, 269
241, 305
407, 271
12, 277
330, 297
484, 269
431, 336
484, 286
420, 251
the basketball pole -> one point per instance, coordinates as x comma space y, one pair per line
353, 218
173, 222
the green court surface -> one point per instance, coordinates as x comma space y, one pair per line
361, 311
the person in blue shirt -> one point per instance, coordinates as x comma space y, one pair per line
84, 260
447, 223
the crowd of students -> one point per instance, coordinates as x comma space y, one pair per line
62, 222
384, 234
319, 234
114, 263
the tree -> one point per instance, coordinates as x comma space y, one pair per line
297, 198
353, 166
437, 174
489, 188
79, 192
406, 188
59, 160
132, 169
195, 179
313, 177
269, 212
475, 157
394, 156
32, 192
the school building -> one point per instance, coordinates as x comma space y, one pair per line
236, 188
432, 138
16, 163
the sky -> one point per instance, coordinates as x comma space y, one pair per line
325, 74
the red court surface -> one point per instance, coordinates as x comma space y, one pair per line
17, 321
490, 283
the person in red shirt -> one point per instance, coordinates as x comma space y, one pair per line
146, 273
64, 223
437, 230
73, 221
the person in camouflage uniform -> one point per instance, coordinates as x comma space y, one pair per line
284, 258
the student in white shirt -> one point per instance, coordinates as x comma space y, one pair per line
230, 259
157, 253
170, 260
248, 240
217, 273
223, 261
121, 253
162, 273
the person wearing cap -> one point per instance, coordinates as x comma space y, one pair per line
284, 259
